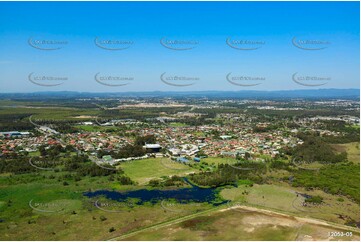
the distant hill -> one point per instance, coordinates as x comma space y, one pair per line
288, 94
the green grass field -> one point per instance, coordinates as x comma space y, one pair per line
95, 128
283, 198
45, 113
142, 171
220, 160
352, 149
43, 208
177, 124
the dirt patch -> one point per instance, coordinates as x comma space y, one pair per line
85, 116
201, 223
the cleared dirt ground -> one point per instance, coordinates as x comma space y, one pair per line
244, 223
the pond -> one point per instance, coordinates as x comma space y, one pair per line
181, 195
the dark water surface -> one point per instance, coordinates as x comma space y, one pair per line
181, 195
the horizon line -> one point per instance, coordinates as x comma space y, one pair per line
186, 91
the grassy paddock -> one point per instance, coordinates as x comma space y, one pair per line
142, 171
232, 225
284, 199
63, 213
352, 149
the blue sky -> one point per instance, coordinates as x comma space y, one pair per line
273, 25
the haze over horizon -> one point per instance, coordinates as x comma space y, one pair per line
189, 91
319, 94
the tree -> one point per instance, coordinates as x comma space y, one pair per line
142, 140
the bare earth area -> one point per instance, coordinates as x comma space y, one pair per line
246, 223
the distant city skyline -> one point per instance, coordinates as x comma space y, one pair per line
178, 46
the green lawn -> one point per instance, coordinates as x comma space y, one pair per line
144, 170
35, 153
95, 128
219, 160
177, 124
